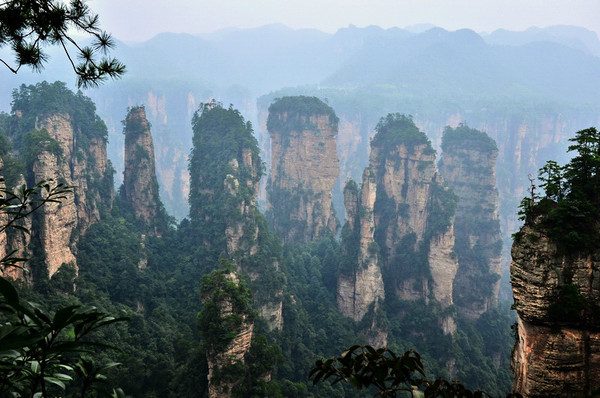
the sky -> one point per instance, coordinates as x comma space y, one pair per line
139, 20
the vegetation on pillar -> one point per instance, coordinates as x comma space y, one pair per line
222, 141
293, 113
570, 206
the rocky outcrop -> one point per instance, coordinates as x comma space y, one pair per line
468, 166
223, 302
557, 353
58, 136
304, 168
400, 228
360, 285
223, 203
140, 186
413, 213
57, 221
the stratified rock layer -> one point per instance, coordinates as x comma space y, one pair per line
304, 168
361, 286
400, 226
468, 166
554, 356
413, 212
236, 349
140, 186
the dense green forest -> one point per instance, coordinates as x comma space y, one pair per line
163, 348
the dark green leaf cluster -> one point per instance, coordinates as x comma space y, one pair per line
289, 114
29, 26
43, 353
467, 138
396, 129
364, 366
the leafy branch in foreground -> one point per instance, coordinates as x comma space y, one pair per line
29, 25
40, 352
364, 366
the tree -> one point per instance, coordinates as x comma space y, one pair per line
27, 26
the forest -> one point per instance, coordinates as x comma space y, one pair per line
169, 303
333, 220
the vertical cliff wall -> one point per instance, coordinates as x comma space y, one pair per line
304, 168
225, 169
140, 186
227, 326
555, 273
557, 353
360, 283
414, 213
468, 164
58, 136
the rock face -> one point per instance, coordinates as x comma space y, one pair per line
304, 168
557, 353
64, 142
223, 213
400, 226
222, 303
361, 284
413, 212
140, 186
468, 167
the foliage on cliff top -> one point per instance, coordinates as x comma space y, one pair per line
571, 205
31, 104
220, 135
298, 109
467, 138
396, 129
133, 124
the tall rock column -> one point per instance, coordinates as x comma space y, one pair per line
59, 136
140, 186
225, 170
304, 168
360, 283
468, 166
414, 213
227, 326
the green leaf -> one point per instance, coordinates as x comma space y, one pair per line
9, 292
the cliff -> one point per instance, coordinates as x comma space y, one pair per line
225, 170
58, 136
304, 168
360, 283
140, 186
554, 276
468, 165
557, 353
400, 228
414, 213
227, 326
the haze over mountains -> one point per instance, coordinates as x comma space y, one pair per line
429, 73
